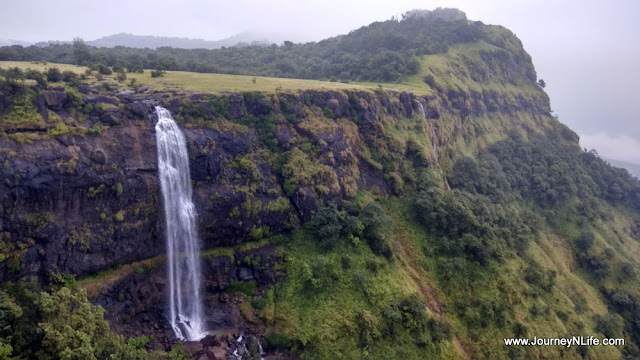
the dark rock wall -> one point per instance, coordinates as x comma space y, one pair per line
79, 204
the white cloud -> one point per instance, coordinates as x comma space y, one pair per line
617, 147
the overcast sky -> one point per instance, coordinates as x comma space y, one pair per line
587, 51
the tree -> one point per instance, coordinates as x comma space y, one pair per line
54, 74
81, 51
73, 328
542, 84
121, 76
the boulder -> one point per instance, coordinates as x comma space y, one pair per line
54, 99
217, 353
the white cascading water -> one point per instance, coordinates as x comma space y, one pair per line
182, 238
433, 131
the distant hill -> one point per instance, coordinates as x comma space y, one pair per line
10, 42
153, 42
633, 169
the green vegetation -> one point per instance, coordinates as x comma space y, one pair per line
246, 287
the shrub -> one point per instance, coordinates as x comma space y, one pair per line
430, 80
368, 327
321, 273
119, 216
95, 130
37, 76
102, 69
361, 280
327, 226
278, 341
246, 287
585, 241
69, 77
122, 76
610, 325
140, 341
118, 189
54, 74
328, 113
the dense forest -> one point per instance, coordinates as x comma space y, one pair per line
382, 51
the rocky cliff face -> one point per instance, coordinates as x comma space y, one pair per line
79, 190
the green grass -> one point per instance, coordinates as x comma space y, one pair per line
220, 82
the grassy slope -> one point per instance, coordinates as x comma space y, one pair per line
221, 82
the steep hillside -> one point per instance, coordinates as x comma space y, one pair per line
351, 222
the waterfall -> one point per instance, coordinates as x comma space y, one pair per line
433, 131
182, 239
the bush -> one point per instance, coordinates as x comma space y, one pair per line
70, 77
95, 130
246, 287
37, 76
119, 216
610, 325
368, 327
585, 241
54, 74
320, 274
361, 280
102, 69
140, 341
430, 80
278, 341
327, 226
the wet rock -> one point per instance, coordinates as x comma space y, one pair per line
192, 348
253, 347
210, 341
217, 353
